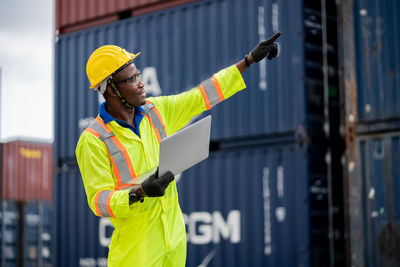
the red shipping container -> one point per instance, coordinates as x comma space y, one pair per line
26, 170
74, 15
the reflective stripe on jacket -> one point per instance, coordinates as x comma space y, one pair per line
151, 233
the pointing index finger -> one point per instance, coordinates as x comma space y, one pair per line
274, 37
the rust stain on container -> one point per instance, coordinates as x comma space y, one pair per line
352, 171
74, 15
26, 170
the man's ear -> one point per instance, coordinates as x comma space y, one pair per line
109, 91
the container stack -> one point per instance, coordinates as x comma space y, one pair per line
26, 188
373, 130
273, 191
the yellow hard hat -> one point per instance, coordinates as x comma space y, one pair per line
105, 61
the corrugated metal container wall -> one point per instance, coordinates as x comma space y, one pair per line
10, 242
380, 171
26, 233
37, 234
72, 15
81, 239
378, 60
248, 207
263, 205
26, 170
211, 35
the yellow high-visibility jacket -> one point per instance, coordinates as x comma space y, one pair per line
151, 233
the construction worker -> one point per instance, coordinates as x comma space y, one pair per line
118, 153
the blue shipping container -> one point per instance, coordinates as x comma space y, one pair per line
281, 217
26, 239
10, 233
47, 233
258, 206
184, 45
248, 207
37, 234
264, 205
81, 237
380, 172
31, 233
378, 60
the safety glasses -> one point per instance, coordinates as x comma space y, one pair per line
134, 80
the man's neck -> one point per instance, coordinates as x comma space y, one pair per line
119, 112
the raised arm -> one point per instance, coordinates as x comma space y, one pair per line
265, 48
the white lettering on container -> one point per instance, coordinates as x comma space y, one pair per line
275, 23
280, 212
261, 36
204, 227
150, 80
267, 213
92, 262
87, 262
275, 17
103, 239
280, 182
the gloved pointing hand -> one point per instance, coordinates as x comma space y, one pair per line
154, 186
266, 47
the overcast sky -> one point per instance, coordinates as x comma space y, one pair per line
26, 62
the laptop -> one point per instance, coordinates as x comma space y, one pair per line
185, 148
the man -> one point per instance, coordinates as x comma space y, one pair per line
118, 153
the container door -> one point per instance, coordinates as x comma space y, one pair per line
380, 172
81, 238
247, 207
10, 230
31, 234
45, 238
37, 234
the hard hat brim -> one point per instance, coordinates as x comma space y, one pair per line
132, 57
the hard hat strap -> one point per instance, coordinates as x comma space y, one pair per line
118, 93
121, 68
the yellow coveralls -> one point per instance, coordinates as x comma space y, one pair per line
151, 233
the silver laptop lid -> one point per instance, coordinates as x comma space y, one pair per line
185, 148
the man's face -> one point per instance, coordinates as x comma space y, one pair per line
132, 89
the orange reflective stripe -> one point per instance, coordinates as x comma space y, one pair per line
116, 172
154, 128
156, 121
161, 120
126, 156
124, 152
96, 203
217, 88
102, 203
157, 113
119, 187
205, 97
159, 117
99, 120
90, 130
108, 204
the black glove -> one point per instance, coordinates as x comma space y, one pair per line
266, 47
154, 186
